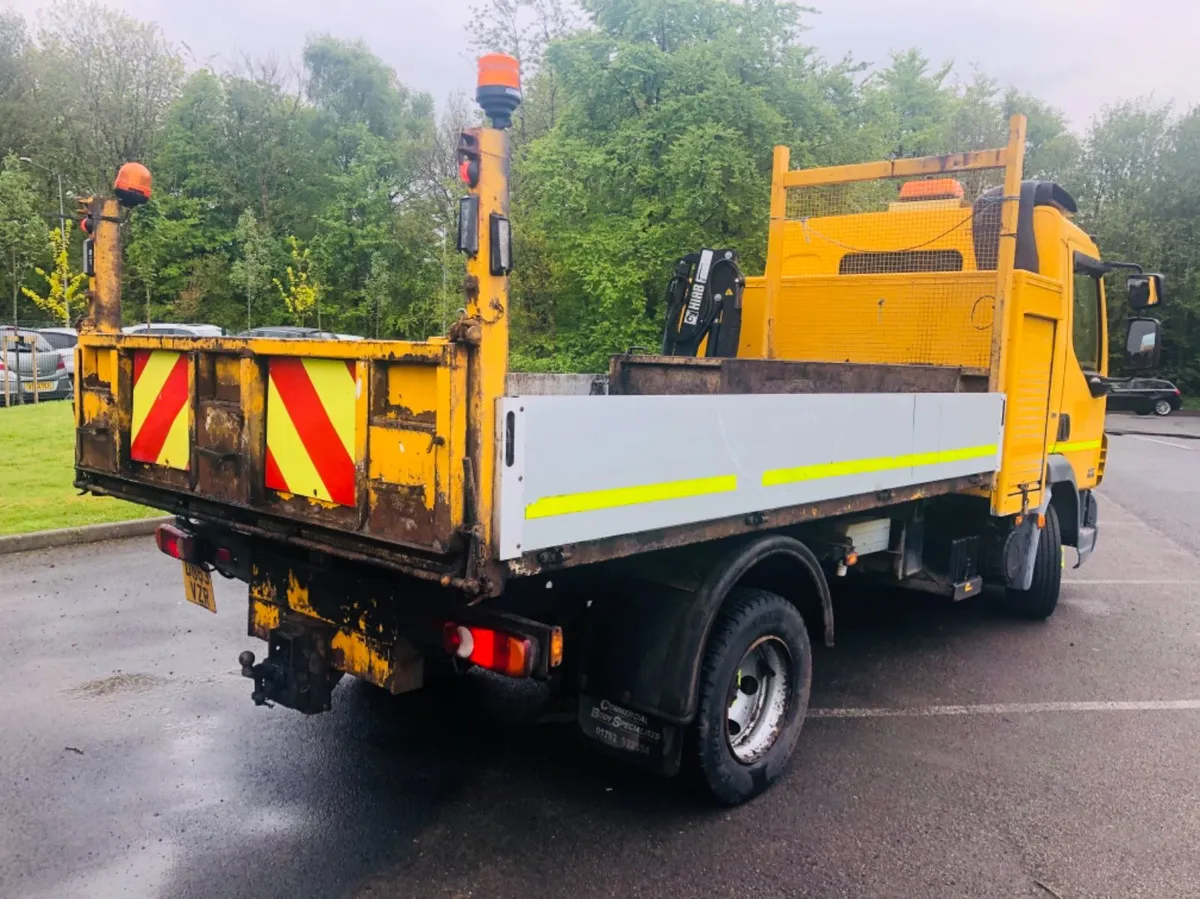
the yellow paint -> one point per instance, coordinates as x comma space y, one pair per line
297, 597
404, 457
1027, 426
492, 310
778, 476
361, 657
264, 618
413, 387
289, 452
1076, 446
940, 318
629, 496
899, 168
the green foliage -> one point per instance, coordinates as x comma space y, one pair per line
302, 295
646, 132
63, 287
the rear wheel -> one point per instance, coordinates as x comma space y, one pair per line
754, 690
1162, 407
1041, 599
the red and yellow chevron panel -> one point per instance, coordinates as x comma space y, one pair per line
159, 432
310, 428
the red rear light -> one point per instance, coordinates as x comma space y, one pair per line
1177, 391
175, 542
491, 649
61, 365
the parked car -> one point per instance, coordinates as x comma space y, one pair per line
17, 373
1143, 396
295, 332
173, 329
63, 340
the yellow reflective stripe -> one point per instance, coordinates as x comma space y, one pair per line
1075, 447
629, 496
779, 476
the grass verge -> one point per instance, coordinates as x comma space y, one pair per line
37, 469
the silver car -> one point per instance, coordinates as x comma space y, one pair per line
63, 340
171, 329
21, 347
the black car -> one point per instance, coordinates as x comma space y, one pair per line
1143, 396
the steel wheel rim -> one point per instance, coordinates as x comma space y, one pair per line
1162, 407
759, 696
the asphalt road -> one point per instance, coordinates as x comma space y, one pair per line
1014, 759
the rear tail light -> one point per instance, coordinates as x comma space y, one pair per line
1177, 391
176, 542
491, 649
61, 365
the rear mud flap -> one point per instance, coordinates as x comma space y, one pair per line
634, 738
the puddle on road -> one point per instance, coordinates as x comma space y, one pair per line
119, 683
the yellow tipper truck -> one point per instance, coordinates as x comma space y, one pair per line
912, 393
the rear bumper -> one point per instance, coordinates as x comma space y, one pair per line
20, 390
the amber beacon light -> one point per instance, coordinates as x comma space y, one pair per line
133, 184
499, 90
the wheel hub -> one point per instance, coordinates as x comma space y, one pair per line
758, 699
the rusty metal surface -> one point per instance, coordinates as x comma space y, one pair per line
680, 375
415, 562
574, 555
408, 481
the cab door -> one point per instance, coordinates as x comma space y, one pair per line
1080, 433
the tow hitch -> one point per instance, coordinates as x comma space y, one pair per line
296, 673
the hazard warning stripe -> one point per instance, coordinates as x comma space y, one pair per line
310, 428
159, 426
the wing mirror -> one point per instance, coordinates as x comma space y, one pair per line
1142, 344
1145, 291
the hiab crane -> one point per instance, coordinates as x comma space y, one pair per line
912, 393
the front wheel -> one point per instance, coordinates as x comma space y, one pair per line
1162, 407
754, 690
1041, 599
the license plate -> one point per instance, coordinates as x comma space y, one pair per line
42, 386
197, 586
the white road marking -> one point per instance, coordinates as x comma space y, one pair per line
1192, 583
1010, 708
1162, 442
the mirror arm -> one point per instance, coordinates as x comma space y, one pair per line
1099, 385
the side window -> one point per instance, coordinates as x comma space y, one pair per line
1085, 330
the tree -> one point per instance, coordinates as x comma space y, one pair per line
104, 82
22, 231
301, 293
252, 272
62, 286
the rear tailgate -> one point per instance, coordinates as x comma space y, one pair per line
359, 438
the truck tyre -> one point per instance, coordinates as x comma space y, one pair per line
754, 688
1040, 600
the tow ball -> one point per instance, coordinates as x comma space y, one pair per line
296, 674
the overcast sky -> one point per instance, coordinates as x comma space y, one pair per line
1077, 54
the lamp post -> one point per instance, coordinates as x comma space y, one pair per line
62, 220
